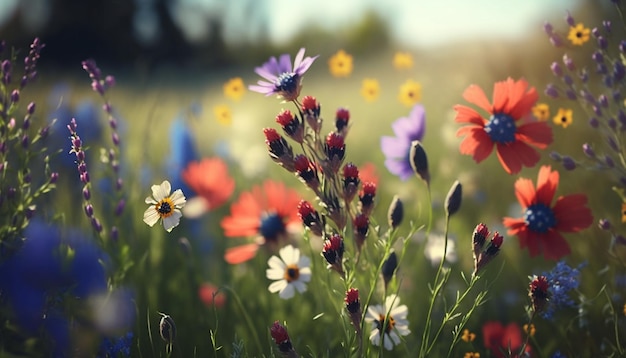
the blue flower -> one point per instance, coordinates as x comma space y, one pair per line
562, 280
397, 149
182, 152
116, 346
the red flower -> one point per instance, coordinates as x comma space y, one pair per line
512, 101
265, 213
210, 180
210, 295
499, 339
540, 228
368, 173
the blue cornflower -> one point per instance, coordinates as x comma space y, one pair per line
116, 346
562, 280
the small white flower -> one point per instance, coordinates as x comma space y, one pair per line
290, 270
397, 324
435, 246
164, 206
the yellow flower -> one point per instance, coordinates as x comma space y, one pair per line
370, 89
624, 212
542, 112
402, 61
234, 88
472, 355
223, 114
530, 331
340, 64
563, 117
468, 336
410, 93
578, 34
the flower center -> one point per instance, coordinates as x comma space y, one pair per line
292, 273
390, 324
501, 128
272, 225
287, 82
539, 218
164, 207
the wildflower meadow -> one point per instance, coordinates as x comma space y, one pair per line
325, 201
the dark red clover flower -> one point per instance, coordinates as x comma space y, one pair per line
366, 197
281, 338
279, 149
310, 217
291, 125
335, 150
311, 112
333, 252
342, 117
361, 226
283, 79
306, 171
538, 292
350, 181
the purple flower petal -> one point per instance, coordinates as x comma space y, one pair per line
399, 168
394, 147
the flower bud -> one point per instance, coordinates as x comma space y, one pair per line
167, 328
395, 214
454, 198
419, 161
389, 267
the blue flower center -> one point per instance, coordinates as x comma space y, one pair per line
287, 82
164, 208
539, 218
272, 225
501, 128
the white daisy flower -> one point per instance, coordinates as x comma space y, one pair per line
290, 270
164, 206
397, 324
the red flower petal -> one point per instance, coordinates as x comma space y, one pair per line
547, 181
554, 245
515, 155
209, 179
571, 213
468, 115
531, 240
501, 96
525, 192
522, 101
474, 94
238, 254
513, 225
538, 134
477, 143
245, 217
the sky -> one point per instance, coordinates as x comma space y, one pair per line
413, 22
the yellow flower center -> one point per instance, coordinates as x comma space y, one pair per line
292, 273
165, 207
390, 324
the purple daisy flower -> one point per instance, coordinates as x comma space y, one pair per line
396, 149
283, 79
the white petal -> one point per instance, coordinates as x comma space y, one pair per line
387, 342
178, 198
399, 312
287, 292
375, 337
159, 192
305, 275
402, 330
277, 286
394, 337
374, 311
150, 200
289, 254
391, 302
299, 285
276, 263
150, 216
172, 221
275, 274
195, 207
304, 262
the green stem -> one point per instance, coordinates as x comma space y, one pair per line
246, 316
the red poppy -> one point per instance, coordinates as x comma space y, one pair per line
265, 213
210, 180
540, 228
512, 101
500, 339
210, 295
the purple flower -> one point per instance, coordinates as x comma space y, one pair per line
397, 149
283, 79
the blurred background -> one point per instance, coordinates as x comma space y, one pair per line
171, 59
